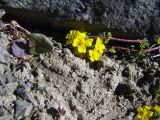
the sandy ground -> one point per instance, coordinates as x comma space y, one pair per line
108, 90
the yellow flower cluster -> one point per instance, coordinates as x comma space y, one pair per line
84, 44
98, 50
156, 108
147, 112
144, 113
79, 40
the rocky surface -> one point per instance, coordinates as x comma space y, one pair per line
131, 18
109, 90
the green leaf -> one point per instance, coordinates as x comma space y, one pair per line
106, 41
144, 45
109, 35
158, 40
141, 54
112, 50
42, 44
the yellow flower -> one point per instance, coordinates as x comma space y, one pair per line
71, 36
74, 37
77, 41
94, 55
97, 52
99, 45
80, 38
144, 113
88, 42
82, 48
82, 44
157, 108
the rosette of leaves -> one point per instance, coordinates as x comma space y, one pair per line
35, 44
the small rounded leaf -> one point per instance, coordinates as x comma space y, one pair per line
42, 44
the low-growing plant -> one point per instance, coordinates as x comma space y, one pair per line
25, 44
92, 47
152, 111
148, 112
144, 113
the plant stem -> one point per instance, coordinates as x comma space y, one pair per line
118, 39
134, 50
123, 48
126, 40
15, 25
152, 49
26, 32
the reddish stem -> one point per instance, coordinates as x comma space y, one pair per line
123, 48
119, 39
14, 25
26, 32
126, 40
134, 50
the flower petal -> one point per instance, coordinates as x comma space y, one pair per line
82, 48
99, 40
75, 42
88, 42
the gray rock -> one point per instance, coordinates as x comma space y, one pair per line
134, 17
4, 55
1, 111
23, 109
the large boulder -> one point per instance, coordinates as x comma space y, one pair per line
127, 17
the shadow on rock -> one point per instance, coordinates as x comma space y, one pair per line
54, 112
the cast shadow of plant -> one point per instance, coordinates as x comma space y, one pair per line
53, 112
